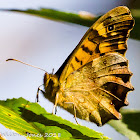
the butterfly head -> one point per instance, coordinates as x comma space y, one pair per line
51, 85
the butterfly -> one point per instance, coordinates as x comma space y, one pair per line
93, 82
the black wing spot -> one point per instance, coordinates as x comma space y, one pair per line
77, 59
85, 49
110, 27
102, 54
81, 62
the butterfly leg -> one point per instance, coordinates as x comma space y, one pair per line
37, 95
74, 108
75, 113
55, 105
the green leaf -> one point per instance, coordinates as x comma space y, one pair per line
29, 118
59, 15
81, 19
135, 33
129, 125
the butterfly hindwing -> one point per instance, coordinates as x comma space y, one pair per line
98, 89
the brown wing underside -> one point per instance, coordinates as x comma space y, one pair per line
108, 34
99, 89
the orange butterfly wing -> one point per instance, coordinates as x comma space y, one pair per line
108, 34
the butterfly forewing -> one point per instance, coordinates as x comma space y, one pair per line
108, 34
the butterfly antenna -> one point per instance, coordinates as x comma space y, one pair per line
53, 71
25, 64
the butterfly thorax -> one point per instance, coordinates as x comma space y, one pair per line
51, 85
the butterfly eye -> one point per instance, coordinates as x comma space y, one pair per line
110, 27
